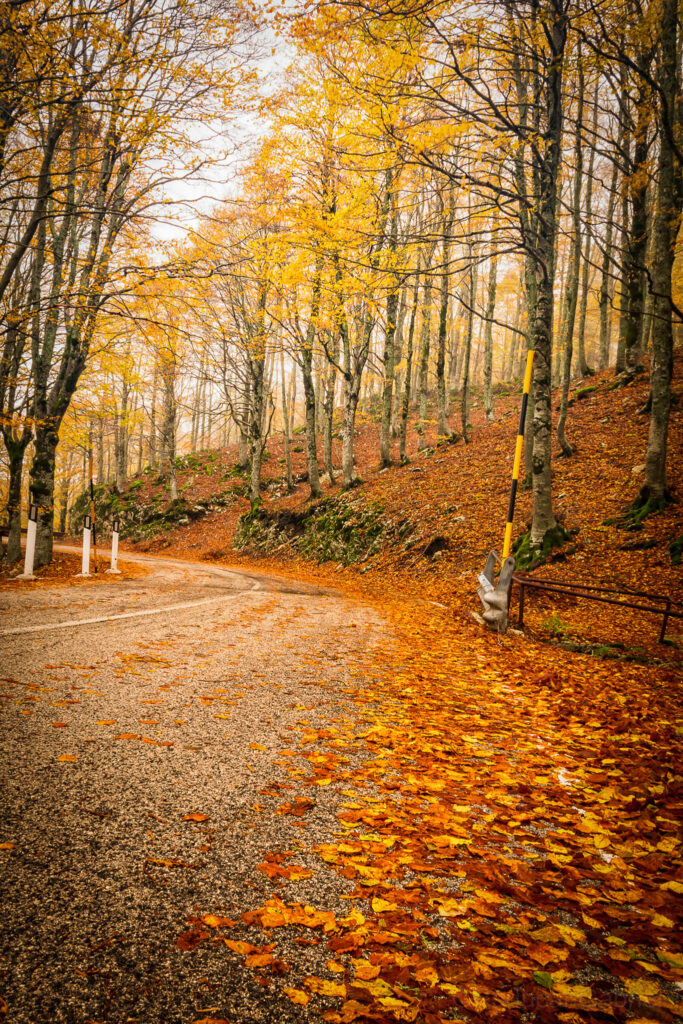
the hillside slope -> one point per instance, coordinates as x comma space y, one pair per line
431, 523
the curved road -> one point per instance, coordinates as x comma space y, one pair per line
184, 696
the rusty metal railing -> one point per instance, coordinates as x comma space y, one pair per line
593, 592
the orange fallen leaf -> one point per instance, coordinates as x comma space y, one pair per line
196, 816
259, 960
297, 996
218, 922
59, 725
67, 757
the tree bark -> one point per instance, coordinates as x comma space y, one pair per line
488, 337
405, 402
572, 283
666, 226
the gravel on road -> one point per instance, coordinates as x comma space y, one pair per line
143, 761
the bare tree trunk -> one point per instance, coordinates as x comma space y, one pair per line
584, 369
389, 338
606, 271
286, 425
309, 387
571, 296
245, 419
425, 331
442, 428
488, 337
328, 409
467, 350
405, 403
666, 226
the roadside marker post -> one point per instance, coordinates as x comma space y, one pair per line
85, 562
114, 548
495, 594
92, 511
29, 555
507, 543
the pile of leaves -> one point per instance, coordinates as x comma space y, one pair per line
509, 828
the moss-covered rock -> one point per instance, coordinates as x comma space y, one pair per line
342, 529
138, 518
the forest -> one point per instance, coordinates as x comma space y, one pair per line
223, 223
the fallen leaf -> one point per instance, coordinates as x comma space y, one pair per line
297, 996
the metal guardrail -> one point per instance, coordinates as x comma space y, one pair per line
668, 609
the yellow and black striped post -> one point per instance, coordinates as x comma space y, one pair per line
518, 454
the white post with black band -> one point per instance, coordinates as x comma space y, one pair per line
87, 532
30, 553
114, 547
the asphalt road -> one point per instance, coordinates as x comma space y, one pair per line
186, 696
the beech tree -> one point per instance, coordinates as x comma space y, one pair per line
157, 64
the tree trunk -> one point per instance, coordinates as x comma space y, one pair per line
425, 330
309, 387
572, 285
42, 485
543, 520
389, 338
467, 351
488, 338
606, 271
405, 403
584, 369
665, 232
286, 425
328, 408
442, 428
15, 456
243, 443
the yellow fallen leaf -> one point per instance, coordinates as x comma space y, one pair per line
668, 845
297, 996
641, 987
380, 906
573, 991
659, 921
675, 959
257, 746
601, 842
325, 988
674, 886
365, 970
107, 721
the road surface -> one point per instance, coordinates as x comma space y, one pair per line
126, 708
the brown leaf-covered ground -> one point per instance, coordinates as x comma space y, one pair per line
507, 811
63, 571
513, 830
